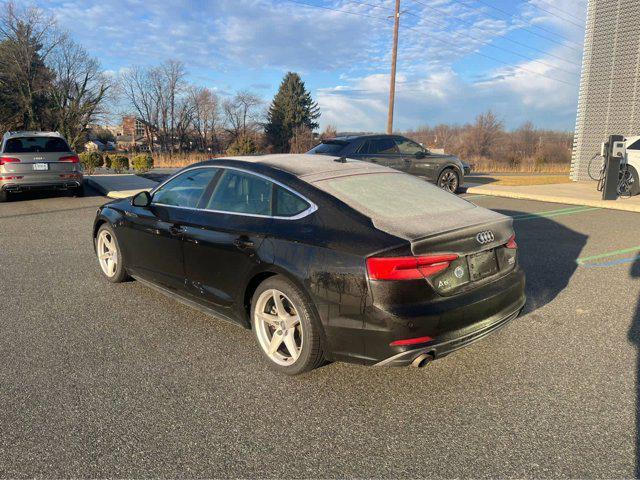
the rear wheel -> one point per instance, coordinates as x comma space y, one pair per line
448, 180
109, 256
4, 196
79, 192
286, 326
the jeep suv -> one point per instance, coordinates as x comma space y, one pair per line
38, 160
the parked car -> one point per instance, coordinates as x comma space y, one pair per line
633, 160
325, 258
401, 153
38, 160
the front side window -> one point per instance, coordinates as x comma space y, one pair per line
36, 145
185, 190
634, 146
241, 192
328, 148
407, 147
288, 204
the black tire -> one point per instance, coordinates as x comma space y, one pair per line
448, 180
120, 274
635, 186
312, 351
4, 196
79, 192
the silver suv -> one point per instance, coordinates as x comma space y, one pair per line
38, 160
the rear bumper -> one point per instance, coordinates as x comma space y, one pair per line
27, 184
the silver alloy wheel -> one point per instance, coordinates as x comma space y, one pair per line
107, 253
278, 327
448, 181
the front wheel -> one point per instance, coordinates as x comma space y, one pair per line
109, 255
286, 326
4, 196
448, 180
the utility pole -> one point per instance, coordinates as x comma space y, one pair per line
394, 58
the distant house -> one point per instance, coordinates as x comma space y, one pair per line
130, 142
94, 146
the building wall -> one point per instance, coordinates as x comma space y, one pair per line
610, 81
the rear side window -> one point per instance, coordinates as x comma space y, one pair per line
407, 147
396, 196
241, 192
185, 190
35, 145
328, 148
288, 204
379, 146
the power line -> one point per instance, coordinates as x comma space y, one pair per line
437, 39
461, 2
516, 42
557, 16
557, 8
482, 42
510, 15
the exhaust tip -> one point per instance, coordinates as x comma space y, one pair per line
422, 360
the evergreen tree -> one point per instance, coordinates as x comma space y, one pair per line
292, 108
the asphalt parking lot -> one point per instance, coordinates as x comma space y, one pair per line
110, 380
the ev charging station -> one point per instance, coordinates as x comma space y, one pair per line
614, 152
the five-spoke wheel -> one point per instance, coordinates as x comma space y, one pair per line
448, 180
109, 256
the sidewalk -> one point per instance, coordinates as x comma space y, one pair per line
119, 186
574, 193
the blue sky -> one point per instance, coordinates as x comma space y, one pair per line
457, 58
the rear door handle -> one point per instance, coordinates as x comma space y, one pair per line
176, 230
243, 243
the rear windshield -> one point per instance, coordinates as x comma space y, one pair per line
35, 144
328, 148
394, 196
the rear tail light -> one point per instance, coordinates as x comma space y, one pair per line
512, 242
408, 268
410, 341
70, 158
10, 177
4, 160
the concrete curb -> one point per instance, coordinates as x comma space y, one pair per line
620, 204
110, 190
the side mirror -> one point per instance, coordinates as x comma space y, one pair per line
142, 199
420, 155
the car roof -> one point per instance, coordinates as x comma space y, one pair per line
31, 133
350, 138
308, 167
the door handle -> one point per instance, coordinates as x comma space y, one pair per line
243, 243
176, 230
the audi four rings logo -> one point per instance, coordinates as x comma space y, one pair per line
485, 237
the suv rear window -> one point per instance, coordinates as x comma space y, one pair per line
328, 148
35, 144
396, 196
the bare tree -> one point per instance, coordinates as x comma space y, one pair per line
243, 113
77, 92
330, 131
137, 87
302, 140
206, 116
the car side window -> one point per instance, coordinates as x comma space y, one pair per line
382, 146
288, 204
185, 190
241, 192
634, 146
407, 147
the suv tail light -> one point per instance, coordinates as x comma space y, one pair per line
408, 268
512, 242
4, 160
70, 158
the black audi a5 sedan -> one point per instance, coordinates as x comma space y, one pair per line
401, 153
323, 258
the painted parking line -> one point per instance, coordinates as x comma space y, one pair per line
467, 197
554, 213
586, 261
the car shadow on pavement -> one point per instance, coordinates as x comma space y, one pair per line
634, 338
547, 252
44, 194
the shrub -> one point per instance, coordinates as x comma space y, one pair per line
120, 163
90, 161
142, 163
107, 161
243, 145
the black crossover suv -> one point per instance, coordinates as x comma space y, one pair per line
395, 151
324, 258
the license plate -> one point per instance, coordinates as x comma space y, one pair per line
41, 166
483, 264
